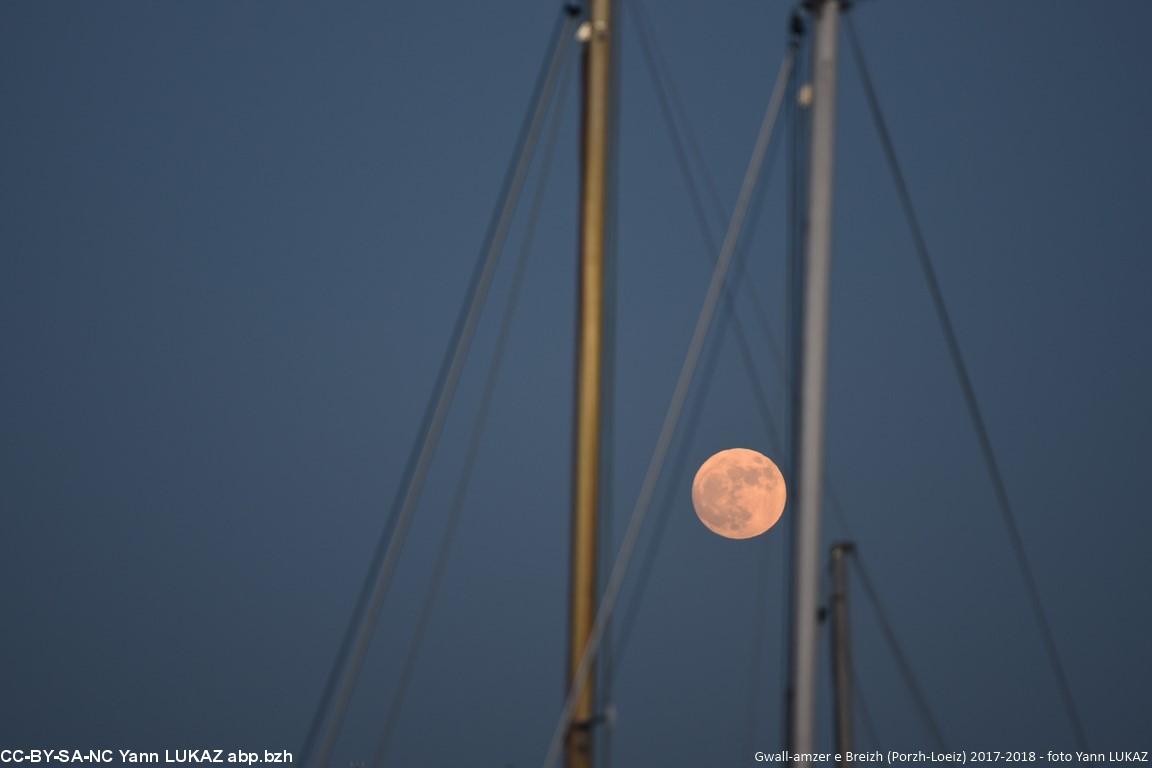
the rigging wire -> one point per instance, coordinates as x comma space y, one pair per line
478, 426
793, 294
898, 652
858, 704
670, 102
680, 463
728, 316
683, 140
919, 700
759, 632
687, 149
984, 439
676, 406
607, 503
864, 710
668, 96
349, 660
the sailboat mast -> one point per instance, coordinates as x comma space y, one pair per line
597, 35
813, 375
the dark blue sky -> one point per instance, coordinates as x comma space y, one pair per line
233, 238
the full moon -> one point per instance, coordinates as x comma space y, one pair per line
738, 493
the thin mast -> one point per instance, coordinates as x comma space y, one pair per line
813, 374
597, 35
841, 648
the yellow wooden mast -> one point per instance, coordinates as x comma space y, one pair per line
597, 35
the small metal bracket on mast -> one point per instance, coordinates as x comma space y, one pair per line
796, 26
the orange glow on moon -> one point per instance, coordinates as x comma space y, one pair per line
739, 493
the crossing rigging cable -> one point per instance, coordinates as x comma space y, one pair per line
1000, 487
864, 710
476, 435
687, 151
793, 292
675, 408
342, 678
681, 136
898, 652
910, 680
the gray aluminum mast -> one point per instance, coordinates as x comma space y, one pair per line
813, 373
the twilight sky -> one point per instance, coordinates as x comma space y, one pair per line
233, 240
